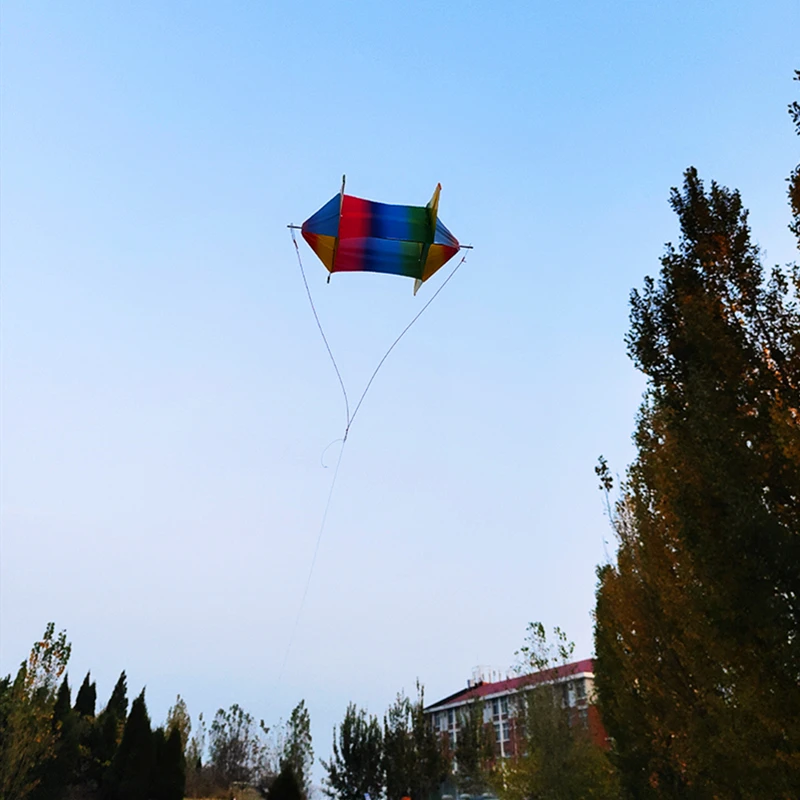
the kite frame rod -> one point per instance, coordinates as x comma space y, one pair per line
460, 247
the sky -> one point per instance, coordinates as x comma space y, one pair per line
166, 400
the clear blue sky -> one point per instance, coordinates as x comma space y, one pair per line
165, 394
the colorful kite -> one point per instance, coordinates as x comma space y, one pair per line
350, 234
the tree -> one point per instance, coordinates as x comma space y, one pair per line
178, 719
86, 698
356, 767
415, 758
106, 735
555, 756
131, 771
56, 774
297, 751
27, 738
236, 750
398, 748
697, 623
794, 178
285, 786
169, 766
474, 750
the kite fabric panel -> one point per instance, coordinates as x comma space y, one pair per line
350, 234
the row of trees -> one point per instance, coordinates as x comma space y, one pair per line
405, 757
698, 621
52, 748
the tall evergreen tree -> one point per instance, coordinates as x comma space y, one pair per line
698, 623
86, 698
107, 733
118, 702
356, 767
169, 766
298, 752
130, 773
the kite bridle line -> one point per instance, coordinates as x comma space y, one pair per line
350, 417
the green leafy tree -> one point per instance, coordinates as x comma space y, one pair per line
697, 622
178, 719
794, 178
555, 757
27, 736
356, 767
398, 748
297, 751
416, 761
474, 750
236, 750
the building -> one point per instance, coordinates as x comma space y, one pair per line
573, 683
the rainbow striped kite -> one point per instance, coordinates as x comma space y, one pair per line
350, 234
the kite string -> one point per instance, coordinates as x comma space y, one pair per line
350, 418
395, 343
322, 333
313, 560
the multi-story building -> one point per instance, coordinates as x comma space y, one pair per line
573, 683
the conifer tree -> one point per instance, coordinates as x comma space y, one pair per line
130, 773
298, 752
108, 730
356, 767
698, 622
86, 698
169, 766
118, 702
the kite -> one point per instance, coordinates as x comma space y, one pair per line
350, 234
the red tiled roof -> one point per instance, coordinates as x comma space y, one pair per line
514, 684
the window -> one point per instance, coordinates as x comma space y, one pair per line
504, 705
497, 731
580, 689
451, 717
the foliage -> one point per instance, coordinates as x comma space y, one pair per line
297, 751
415, 757
474, 750
285, 786
178, 719
356, 767
794, 178
86, 699
236, 750
169, 767
27, 738
554, 756
706, 581
131, 771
